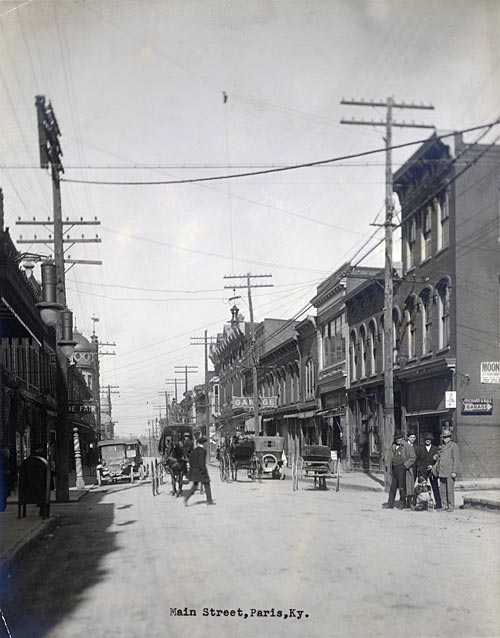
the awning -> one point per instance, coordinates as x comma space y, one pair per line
301, 415
429, 412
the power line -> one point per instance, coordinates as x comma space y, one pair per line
275, 170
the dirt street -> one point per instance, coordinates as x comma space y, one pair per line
265, 560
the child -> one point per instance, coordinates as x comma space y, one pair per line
424, 495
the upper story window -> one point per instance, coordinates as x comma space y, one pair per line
395, 336
426, 321
411, 237
372, 347
426, 243
362, 350
441, 205
443, 301
333, 340
309, 379
353, 351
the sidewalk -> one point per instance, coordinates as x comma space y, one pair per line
18, 534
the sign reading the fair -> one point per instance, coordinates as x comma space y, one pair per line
247, 402
490, 371
81, 408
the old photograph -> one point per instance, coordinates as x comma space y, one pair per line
249, 318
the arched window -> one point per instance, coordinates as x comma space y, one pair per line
395, 335
310, 379
372, 347
382, 341
443, 301
362, 350
426, 321
353, 359
410, 327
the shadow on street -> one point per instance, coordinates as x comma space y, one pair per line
51, 578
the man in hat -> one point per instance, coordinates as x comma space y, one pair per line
411, 474
198, 472
448, 467
401, 461
427, 455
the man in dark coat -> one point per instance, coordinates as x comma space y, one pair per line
427, 456
401, 460
198, 472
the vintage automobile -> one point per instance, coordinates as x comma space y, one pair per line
269, 451
119, 460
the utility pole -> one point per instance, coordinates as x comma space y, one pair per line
253, 352
110, 389
166, 404
169, 382
186, 370
389, 105
50, 155
197, 341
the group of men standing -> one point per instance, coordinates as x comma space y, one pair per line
438, 466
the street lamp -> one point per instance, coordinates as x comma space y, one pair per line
56, 314
49, 308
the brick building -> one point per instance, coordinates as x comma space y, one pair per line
447, 305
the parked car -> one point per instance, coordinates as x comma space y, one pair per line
119, 460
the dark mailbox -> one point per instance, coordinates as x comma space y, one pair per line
34, 485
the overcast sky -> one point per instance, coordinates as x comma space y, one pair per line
137, 87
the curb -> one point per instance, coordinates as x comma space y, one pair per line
481, 503
25, 543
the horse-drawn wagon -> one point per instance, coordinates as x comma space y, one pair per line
243, 457
174, 447
316, 464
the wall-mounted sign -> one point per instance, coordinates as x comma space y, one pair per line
490, 371
81, 408
451, 399
477, 406
247, 402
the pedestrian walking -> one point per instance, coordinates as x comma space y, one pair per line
402, 458
427, 456
198, 472
447, 469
